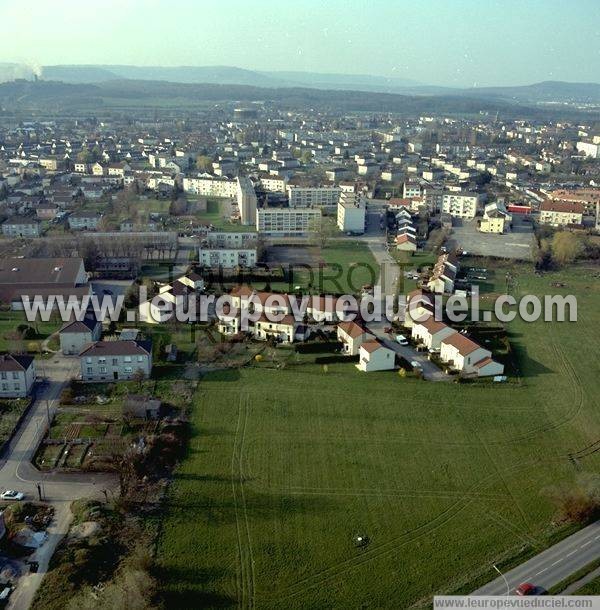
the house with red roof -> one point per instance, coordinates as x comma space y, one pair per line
431, 333
352, 336
419, 307
374, 356
468, 357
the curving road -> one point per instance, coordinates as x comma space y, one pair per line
551, 566
59, 489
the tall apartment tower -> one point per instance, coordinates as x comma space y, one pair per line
246, 200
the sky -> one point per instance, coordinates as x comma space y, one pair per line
440, 42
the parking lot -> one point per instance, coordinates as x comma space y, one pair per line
515, 244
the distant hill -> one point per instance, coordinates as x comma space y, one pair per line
218, 75
357, 82
544, 92
547, 91
61, 97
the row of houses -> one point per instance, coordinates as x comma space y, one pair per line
455, 349
443, 276
406, 233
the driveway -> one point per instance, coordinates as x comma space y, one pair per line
430, 371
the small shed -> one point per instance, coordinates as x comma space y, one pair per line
144, 407
171, 352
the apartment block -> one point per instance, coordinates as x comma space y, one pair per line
313, 196
287, 221
460, 204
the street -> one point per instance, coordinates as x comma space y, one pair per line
551, 566
58, 489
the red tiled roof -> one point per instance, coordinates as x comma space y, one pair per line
569, 207
463, 344
352, 329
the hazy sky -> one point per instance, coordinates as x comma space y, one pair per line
445, 42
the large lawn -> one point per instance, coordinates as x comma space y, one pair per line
286, 466
339, 268
10, 320
217, 214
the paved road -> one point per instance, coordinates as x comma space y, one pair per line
573, 588
59, 489
552, 565
387, 281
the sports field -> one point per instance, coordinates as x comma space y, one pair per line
286, 466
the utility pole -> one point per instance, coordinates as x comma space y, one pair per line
48, 412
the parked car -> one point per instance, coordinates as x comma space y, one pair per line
401, 339
5, 594
11, 494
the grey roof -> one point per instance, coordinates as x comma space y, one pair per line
118, 348
20, 362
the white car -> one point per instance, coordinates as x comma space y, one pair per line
401, 339
11, 494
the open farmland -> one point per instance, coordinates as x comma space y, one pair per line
286, 466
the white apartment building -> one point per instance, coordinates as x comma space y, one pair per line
351, 213
411, 189
227, 258
229, 250
313, 196
246, 200
287, 221
224, 239
210, 187
460, 204
273, 184
561, 213
589, 149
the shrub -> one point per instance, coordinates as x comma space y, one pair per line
334, 359
318, 348
67, 397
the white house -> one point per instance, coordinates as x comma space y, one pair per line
419, 307
116, 360
468, 357
352, 336
431, 333
78, 334
17, 375
405, 242
373, 356
444, 274
286, 330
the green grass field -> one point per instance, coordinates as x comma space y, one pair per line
216, 215
10, 320
347, 267
592, 588
286, 466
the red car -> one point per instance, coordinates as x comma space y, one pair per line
526, 588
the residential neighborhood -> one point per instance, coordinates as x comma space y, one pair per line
299, 306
